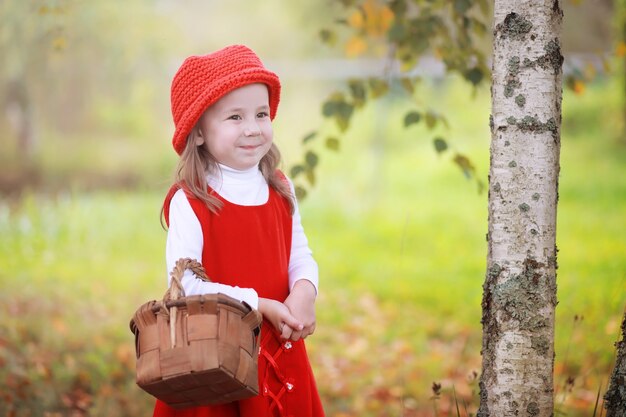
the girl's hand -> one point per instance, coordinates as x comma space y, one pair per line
279, 315
301, 303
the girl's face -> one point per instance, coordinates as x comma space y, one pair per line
237, 129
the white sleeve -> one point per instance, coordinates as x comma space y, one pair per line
185, 240
302, 265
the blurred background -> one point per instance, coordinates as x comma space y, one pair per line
397, 229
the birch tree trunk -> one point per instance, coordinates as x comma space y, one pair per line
519, 293
615, 398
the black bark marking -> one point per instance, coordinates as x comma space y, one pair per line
531, 124
490, 332
552, 59
532, 409
615, 397
513, 65
522, 296
541, 344
510, 86
514, 26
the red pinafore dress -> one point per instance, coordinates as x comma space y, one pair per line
250, 246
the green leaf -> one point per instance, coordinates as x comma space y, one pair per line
337, 107
379, 87
480, 185
332, 104
310, 176
332, 143
296, 170
407, 84
440, 144
300, 192
343, 114
311, 159
342, 123
474, 75
412, 117
357, 89
407, 59
464, 163
397, 32
329, 108
431, 120
328, 37
309, 137
462, 6
398, 7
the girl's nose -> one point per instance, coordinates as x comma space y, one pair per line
252, 129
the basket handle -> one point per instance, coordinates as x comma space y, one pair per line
176, 290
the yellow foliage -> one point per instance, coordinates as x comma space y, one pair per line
372, 18
378, 18
620, 49
355, 46
356, 20
590, 71
59, 43
579, 87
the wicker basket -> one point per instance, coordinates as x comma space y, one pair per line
196, 350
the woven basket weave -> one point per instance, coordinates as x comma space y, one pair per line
196, 350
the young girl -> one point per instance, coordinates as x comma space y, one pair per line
235, 212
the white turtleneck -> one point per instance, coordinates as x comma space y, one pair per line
185, 239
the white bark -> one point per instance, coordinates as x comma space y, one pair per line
520, 287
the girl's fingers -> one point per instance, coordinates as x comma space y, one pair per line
295, 336
292, 322
285, 331
307, 331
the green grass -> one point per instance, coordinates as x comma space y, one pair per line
400, 238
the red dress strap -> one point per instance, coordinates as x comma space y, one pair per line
168, 200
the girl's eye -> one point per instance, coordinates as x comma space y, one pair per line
235, 117
263, 114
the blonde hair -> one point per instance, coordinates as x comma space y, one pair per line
196, 161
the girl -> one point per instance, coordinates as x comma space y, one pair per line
235, 212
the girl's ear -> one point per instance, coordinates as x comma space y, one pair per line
198, 138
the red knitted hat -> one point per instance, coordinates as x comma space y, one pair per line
202, 80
